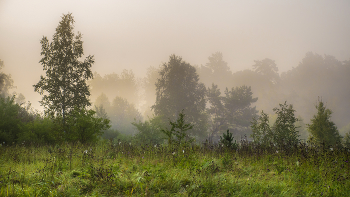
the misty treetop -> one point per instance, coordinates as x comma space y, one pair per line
122, 85
216, 71
178, 89
232, 111
6, 82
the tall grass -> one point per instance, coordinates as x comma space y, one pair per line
123, 169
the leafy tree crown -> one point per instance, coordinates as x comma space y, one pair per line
66, 76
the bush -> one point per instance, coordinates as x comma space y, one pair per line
40, 131
150, 131
10, 123
285, 133
262, 133
178, 130
82, 125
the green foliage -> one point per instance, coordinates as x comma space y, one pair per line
41, 131
66, 76
178, 130
322, 129
10, 123
111, 134
178, 89
84, 126
285, 133
227, 140
150, 131
262, 133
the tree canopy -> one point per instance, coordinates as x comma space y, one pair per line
66, 76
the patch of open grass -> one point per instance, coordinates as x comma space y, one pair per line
107, 169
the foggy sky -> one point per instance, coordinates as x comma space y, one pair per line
137, 34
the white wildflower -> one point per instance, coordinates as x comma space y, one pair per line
85, 151
183, 151
331, 149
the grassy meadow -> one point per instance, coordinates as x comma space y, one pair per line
123, 169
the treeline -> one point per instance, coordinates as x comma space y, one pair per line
210, 99
316, 77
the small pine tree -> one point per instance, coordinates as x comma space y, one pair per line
178, 129
227, 140
322, 129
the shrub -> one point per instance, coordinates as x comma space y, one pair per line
178, 130
10, 123
227, 140
285, 133
150, 131
83, 126
40, 131
261, 129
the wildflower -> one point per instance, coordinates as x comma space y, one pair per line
173, 153
297, 163
155, 146
120, 143
331, 149
183, 151
86, 151
276, 151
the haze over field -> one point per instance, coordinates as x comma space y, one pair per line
139, 34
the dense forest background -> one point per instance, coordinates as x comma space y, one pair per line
125, 97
